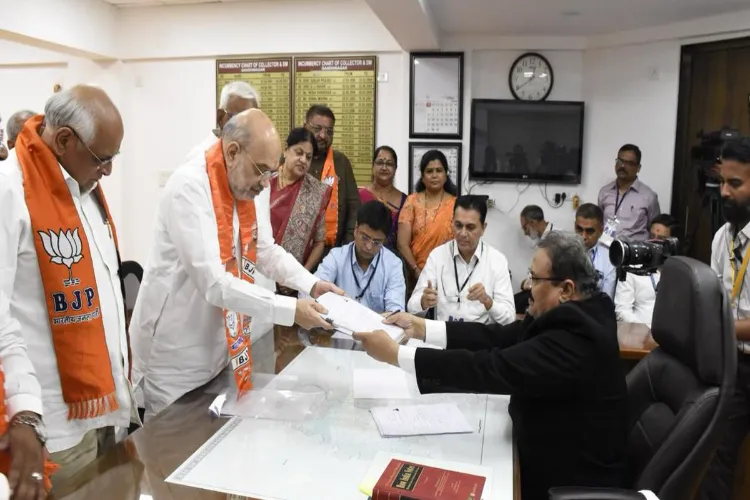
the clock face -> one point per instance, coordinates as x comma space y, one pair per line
531, 78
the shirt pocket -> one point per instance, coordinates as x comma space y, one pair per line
376, 295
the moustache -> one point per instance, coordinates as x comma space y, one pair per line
622, 170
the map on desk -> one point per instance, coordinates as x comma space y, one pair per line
327, 455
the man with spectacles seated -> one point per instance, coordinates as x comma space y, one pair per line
628, 204
365, 269
335, 169
466, 279
589, 226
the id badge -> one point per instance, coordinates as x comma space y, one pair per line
610, 232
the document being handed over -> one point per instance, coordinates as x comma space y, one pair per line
349, 316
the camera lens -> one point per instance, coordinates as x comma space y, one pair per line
618, 253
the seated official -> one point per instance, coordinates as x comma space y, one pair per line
466, 279
635, 297
364, 268
589, 226
561, 367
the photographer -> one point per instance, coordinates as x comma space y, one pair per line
730, 254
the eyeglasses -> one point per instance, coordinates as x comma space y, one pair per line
533, 279
628, 163
264, 176
366, 239
99, 161
384, 163
316, 129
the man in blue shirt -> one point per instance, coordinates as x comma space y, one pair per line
364, 269
590, 225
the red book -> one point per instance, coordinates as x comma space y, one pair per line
408, 481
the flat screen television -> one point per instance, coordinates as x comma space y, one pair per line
526, 141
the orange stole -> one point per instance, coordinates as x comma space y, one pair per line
67, 272
5, 457
329, 177
236, 326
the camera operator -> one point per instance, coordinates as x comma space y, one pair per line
730, 254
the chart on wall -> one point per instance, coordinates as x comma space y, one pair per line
347, 86
271, 77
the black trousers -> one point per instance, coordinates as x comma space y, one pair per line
718, 482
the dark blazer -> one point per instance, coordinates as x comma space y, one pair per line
566, 384
349, 201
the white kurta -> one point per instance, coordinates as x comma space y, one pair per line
22, 282
177, 328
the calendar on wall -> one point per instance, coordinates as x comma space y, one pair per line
436, 96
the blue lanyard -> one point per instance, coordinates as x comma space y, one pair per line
353, 260
653, 282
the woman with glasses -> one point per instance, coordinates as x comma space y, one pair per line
425, 220
560, 366
298, 202
384, 165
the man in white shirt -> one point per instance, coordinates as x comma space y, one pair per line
466, 279
536, 228
730, 254
235, 98
197, 305
635, 297
589, 225
59, 266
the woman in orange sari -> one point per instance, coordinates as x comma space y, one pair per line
425, 220
298, 202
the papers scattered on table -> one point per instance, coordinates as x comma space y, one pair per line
349, 316
380, 383
420, 420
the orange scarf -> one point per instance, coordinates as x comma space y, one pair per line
5, 457
65, 264
329, 177
236, 326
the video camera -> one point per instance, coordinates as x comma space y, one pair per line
641, 257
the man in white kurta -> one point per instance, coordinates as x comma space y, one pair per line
87, 156
177, 326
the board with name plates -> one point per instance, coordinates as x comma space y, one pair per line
347, 85
270, 77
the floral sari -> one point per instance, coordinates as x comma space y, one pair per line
298, 215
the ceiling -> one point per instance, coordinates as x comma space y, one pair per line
144, 3
569, 17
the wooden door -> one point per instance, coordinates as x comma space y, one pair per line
714, 94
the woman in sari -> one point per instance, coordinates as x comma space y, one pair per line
425, 220
298, 202
384, 165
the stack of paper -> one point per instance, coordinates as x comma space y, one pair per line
419, 420
349, 316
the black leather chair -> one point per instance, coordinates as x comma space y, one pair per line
679, 394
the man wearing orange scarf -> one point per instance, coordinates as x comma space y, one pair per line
199, 307
335, 169
59, 263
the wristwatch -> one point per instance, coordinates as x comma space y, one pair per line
35, 422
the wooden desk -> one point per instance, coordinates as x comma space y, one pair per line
635, 340
138, 465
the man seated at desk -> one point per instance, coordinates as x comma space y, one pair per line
589, 226
560, 366
466, 279
364, 268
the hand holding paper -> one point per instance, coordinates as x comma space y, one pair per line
379, 345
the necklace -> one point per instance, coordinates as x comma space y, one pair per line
437, 210
282, 181
380, 195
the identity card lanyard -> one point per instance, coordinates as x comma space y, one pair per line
455, 271
354, 274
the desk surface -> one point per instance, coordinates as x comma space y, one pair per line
140, 464
635, 340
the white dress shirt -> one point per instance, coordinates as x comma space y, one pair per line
721, 263
177, 328
635, 298
435, 337
22, 282
487, 266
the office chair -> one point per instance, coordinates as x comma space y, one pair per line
131, 274
679, 394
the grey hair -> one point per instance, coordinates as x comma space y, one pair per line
532, 212
242, 90
233, 131
570, 261
16, 123
66, 109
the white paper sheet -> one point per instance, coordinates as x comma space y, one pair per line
380, 383
420, 420
349, 316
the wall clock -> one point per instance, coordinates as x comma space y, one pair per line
530, 77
